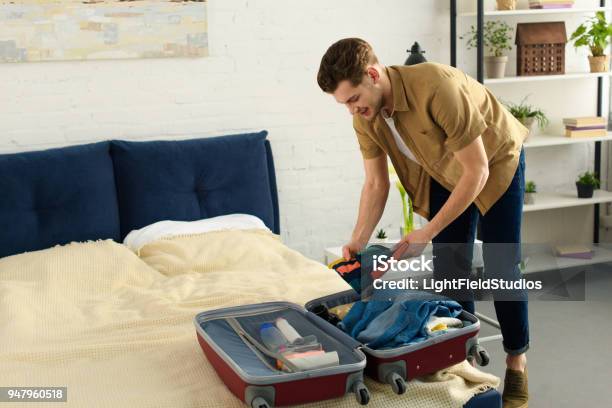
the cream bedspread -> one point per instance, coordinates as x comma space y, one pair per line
118, 331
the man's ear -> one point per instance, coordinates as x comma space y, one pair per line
373, 74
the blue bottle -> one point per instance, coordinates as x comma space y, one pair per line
272, 338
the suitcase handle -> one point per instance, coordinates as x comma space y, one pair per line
247, 338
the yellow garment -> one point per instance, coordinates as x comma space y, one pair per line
119, 333
437, 109
438, 327
341, 310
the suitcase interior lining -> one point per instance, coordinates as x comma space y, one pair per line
225, 337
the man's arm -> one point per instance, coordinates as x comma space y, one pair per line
371, 204
473, 160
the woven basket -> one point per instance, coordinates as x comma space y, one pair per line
540, 48
506, 4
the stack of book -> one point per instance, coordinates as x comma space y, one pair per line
574, 251
550, 4
588, 126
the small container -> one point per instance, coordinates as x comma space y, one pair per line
272, 338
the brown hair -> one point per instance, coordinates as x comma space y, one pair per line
345, 59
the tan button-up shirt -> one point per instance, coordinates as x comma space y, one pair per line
438, 109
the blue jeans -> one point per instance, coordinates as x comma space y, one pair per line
501, 236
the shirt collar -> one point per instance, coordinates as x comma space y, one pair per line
400, 101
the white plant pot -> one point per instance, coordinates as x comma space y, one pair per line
529, 198
380, 241
496, 66
530, 124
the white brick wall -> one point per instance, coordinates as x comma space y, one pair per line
261, 74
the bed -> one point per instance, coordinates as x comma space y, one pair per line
73, 314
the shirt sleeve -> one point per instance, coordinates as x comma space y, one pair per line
369, 148
456, 113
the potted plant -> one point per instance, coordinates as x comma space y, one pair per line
530, 190
506, 4
527, 114
381, 236
497, 39
595, 34
586, 183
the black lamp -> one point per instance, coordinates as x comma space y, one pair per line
416, 55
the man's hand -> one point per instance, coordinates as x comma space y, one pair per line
413, 244
351, 249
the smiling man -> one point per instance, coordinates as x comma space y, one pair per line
458, 153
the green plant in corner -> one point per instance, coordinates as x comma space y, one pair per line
588, 178
407, 210
524, 112
595, 34
496, 36
530, 187
381, 234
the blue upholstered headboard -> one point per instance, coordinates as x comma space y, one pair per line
104, 190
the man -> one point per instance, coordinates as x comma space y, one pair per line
458, 153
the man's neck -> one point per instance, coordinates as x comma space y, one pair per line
387, 92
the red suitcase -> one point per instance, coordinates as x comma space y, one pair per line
250, 377
395, 366
260, 386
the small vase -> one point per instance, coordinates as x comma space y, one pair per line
379, 241
584, 190
529, 123
600, 63
506, 4
529, 198
496, 66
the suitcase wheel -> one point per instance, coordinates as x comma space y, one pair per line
480, 354
361, 393
260, 403
397, 383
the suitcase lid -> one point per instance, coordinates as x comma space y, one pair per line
246, 311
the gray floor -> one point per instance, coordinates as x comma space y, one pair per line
570, 359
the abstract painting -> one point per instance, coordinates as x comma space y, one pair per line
56, 30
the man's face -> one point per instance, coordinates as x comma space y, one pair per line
364, 99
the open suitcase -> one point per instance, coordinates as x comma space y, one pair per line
396, 366
227, 336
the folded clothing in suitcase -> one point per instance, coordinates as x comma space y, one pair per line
232, 340
396, 365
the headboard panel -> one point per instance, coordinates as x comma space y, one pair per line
57, 196
192, 179
104, 190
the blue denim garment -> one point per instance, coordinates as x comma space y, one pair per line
387, 324
361, 314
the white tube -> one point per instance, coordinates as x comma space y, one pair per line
288, 331
313, 362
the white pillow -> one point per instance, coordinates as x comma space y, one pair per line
136, 239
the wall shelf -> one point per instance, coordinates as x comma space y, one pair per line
542, 261
555, 140
546, 201
549, 201
532, 78
529, 12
